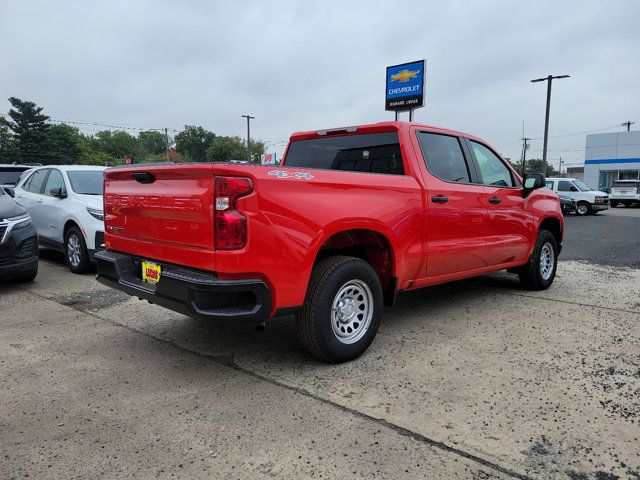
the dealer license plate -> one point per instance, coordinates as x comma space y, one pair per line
151, 272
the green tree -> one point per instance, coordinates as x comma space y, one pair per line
193, 142
257, 150
116, 144
29, 128
537, 165
89, 154
64, 144
151, 143
6, 142
223, 149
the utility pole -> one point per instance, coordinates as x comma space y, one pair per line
166, 144
560, 167
249, 118
549, 79
525, 147
628, 125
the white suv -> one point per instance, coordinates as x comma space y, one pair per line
65, 204
588, 200
625, 192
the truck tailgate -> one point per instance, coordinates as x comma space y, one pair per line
161, 213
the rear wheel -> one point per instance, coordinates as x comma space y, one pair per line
342, 309
584, 208
75, 251
539, 272
614, 204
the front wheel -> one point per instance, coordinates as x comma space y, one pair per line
342, 309
539, 272
583, 209
75, 251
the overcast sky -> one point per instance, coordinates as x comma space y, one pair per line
319, 64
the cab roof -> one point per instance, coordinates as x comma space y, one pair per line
377, 128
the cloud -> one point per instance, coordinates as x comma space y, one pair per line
309, 65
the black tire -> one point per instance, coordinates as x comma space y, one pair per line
532, 276
81, 263
330, 281
614, 204
27, 277
584, 208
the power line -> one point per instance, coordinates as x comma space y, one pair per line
109, 125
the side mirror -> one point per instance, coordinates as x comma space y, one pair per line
573, 188
10, 191
533, 181
57, 192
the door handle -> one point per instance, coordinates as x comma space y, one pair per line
495, 200
143, 177
39, 201
439, 199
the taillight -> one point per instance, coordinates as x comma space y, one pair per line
230, 224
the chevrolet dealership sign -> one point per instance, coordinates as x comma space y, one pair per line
405, 86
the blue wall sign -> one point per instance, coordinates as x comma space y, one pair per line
405, 86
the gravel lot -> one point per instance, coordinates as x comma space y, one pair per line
477, 379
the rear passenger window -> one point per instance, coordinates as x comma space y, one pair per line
34, 184
549, 184
369, 152
443, 156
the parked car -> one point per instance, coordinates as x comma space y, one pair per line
568, 205
588, 200
65, 204
625, 192
352, 217
18, 242
10, 175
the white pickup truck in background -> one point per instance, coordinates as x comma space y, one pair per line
588, 200
625, 192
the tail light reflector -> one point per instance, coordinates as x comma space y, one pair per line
230, 224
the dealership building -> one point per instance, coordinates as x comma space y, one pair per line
610, 157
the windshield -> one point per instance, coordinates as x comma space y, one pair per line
10, 177
582, 186
86, 182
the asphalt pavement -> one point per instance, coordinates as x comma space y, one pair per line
475, 380
611, 237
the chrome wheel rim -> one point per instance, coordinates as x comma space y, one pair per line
73, 250
351, 311
547, 258
582, 209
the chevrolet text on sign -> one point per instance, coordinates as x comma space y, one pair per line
405, 86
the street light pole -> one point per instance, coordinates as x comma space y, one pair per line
549, 79
249, 118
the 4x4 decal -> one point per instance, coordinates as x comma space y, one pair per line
296, 175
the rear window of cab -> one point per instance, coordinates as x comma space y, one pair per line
365, 153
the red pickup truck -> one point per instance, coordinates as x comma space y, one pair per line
352, 217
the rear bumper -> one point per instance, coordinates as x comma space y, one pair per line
624, 198
187, 291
